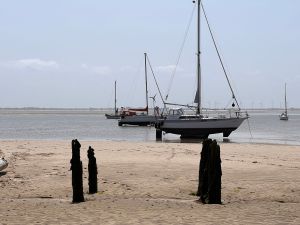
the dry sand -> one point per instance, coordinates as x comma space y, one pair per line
148, 183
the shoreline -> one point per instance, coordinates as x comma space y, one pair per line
148, 183
166, 141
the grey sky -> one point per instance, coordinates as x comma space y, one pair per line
68, 53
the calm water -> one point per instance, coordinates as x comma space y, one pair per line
265, 127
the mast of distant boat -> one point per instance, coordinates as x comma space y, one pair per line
285, 99
115, 97
146, 82
198, 60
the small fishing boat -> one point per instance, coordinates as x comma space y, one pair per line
284, 115
3, 164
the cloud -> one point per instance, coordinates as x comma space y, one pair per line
101, 70
168, 69
33, 64
128, 69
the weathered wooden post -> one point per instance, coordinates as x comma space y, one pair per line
158, 134
203, 176
214, 175
76, 167
210, 172
93, 182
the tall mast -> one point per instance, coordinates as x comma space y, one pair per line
146, 82
285, 98
115, 97
198, 59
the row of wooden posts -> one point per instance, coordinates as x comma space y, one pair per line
76, 167
210, 172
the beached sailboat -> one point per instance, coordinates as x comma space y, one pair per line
138, 116
199, 125
284, 115
116, 115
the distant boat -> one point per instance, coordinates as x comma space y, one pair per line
3, 164
284, 115
138, 116
116, 115
199, 125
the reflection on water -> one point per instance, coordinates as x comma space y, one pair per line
265, 127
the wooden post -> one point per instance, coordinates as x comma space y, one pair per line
93, 181
158, 134
76, 167
214, 175
210, 172
203, 176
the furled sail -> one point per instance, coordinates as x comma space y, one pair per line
196, 100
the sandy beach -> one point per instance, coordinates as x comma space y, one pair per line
149, 183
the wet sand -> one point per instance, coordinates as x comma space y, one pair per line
148, 183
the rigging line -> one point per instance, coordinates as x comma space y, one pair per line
130, 94
220, 59
180, 52
155, 80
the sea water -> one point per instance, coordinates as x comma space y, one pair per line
263, 126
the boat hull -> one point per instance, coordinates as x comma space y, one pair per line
137, 120
199, 128
112, 116
284, 118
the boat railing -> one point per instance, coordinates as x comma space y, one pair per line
206, 113
224, 113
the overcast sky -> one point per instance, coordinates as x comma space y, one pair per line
68, 53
